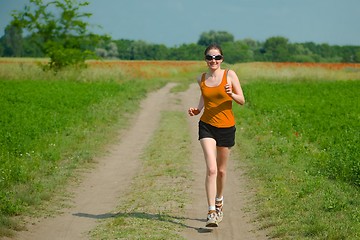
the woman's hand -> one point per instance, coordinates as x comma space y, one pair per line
233, 88
228, 89
193, 111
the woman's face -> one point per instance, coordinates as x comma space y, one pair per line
213, 63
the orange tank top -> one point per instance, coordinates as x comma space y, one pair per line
217, 104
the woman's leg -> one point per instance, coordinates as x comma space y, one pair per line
209, 148
222, 159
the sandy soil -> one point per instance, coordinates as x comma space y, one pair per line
97, 195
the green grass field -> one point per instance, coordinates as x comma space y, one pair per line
50, 128
298, 135
301, 141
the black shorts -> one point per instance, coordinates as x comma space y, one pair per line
224, 137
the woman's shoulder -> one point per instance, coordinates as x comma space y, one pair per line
231, 73
199, 77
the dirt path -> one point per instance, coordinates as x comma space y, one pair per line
97, 195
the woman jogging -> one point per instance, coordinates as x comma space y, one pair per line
219, 87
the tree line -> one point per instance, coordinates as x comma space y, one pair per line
273, 49
65, 39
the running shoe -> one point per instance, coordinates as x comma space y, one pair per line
219, 210
212, 219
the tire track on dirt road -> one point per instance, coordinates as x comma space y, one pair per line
97, 195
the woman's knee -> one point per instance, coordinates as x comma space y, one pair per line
221, 172
212, 171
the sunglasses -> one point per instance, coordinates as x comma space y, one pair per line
211, 57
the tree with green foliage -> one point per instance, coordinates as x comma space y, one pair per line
137, 50
237, 51
190, 51
123, 46
277, 49
12, 41
357, 56
60, 31
218, 37
30, 48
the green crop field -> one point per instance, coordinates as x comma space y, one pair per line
301, 139
298, 136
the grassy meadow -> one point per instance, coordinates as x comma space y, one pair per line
301, 140
53, 124
298, 135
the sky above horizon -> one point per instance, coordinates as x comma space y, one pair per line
175, 22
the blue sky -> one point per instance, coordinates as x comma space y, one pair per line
174, 22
